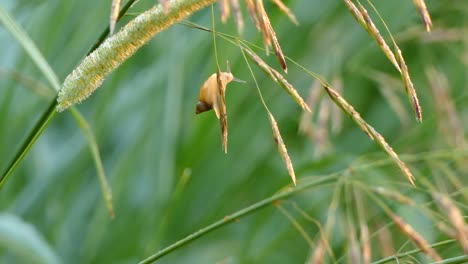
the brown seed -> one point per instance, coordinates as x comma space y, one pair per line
286, 10
238, 16
422, 10
225, 10
114, 15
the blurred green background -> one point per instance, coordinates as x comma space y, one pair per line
165, 165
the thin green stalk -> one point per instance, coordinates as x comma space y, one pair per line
414, 251
235, 216
454, 260
29, 141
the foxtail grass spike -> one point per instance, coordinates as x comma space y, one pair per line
91, 72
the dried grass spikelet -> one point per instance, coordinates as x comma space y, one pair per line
449, 231
396, 196
422, 10
115, 8
396, 59
321, 136
414, 236
236, 10
286, 11
365, 243
348, 109
319, 254
263, 19
364, 229
354, 250
455, 217
305, 126
252, 10
269, 35
374, 32
336, 115
212, 96
165, 5
356, 13
369, 130
282, 147
225, 9
278, 78
409, 87
90, 74
448, 119
385, 240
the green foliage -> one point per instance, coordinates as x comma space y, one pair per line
168, 173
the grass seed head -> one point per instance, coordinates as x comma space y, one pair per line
225, 9
236, 10
282, 147
374, 32
455, 217
286, 11
422, 10
409, 87
414, 236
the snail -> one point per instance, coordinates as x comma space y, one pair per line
210, 97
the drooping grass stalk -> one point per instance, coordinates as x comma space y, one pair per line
115, 50
241, 213
274, 125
